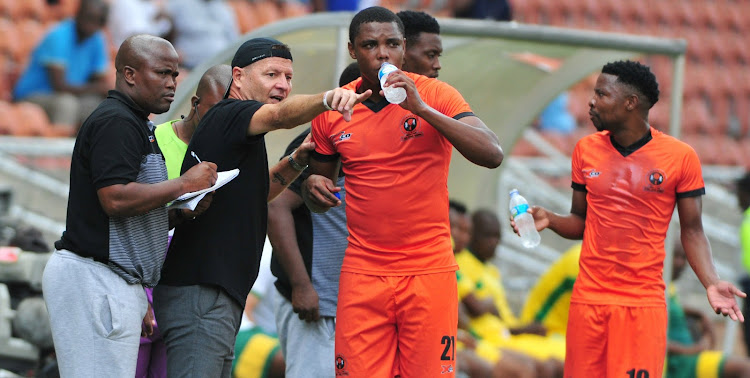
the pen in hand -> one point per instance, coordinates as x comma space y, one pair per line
195, 156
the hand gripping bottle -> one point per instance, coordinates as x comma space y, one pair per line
524, 220
393, 95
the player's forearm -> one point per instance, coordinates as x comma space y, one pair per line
698, 253
470, 136
569, 226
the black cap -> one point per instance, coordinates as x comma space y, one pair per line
257, 49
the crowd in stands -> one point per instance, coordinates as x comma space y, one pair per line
43, 93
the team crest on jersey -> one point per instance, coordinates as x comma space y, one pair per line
340, 137
655, 179
341, 366
410, 126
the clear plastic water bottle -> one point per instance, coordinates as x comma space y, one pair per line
524, 220
393, 95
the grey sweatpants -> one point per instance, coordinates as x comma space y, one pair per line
308, 347
95, 317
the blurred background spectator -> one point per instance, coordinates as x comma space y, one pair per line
131, 17
202, 28
65, 75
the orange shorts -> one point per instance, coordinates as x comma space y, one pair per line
615, 341
396, 325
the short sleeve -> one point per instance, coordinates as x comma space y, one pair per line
445, 99
100, 59
323, 145
117, 149
576, 166
692, 174
54, 47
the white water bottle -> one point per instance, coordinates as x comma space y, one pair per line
524, 220
393, 95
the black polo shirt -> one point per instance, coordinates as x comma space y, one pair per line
223, 245
116, 145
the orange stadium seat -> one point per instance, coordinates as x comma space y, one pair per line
524, 148
63, 9
291, 9
33, 9
5, 78
730, 150
245, 13
9, 9
33, 120
10, 43
695, 116
8, 121
267, 12
32, 32
742, 111
745, 148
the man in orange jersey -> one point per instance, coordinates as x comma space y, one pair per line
397, 310
627, 179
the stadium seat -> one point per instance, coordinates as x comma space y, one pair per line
729, 151
5, 78
32, 32
695, 116
32, 9
63, 9
745, 148
8, 123
266, 11
524, 148
33, 120
9, 9
10, 43
245, 13
291, 9
705, 148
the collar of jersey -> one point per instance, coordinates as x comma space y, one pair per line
625, 151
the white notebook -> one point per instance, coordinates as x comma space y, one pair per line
190, 200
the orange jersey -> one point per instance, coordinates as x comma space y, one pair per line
630, 204
396, 167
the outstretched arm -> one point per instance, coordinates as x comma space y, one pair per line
569, 226
300, 109
721, 294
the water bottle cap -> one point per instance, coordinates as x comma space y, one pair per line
513, 191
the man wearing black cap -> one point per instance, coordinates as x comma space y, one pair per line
213, 260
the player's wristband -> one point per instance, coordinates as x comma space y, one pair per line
294, 163
325, 102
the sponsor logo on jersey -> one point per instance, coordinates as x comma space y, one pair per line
340, 137
410, 127
446, 369
591, 173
